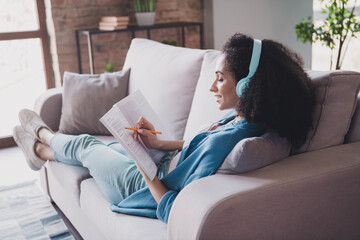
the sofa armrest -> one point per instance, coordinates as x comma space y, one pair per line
48, 106
314, 195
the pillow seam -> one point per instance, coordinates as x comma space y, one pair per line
329, 81
353, 109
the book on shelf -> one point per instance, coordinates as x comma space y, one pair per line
111, 28
126, 113
113, 24
110, 23
115, 19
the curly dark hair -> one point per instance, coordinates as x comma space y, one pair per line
280, 96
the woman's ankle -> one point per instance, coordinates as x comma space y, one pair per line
45, 135
44, 151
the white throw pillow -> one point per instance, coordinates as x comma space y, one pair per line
167, 77
204, 108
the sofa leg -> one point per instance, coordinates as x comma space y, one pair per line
45, 183
68, 224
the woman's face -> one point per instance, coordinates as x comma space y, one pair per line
224, 87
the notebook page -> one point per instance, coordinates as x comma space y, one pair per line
115, 122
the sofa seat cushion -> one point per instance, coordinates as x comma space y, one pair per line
165, 74
116, 225
69, 177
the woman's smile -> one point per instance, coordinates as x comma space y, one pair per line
217, 97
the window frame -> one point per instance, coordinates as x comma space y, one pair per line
41, 33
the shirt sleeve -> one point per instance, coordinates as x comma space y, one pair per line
165, 204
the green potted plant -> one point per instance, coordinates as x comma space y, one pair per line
145, 12
109, 68
173, 43
339, 26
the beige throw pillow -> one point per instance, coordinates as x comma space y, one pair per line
86, 98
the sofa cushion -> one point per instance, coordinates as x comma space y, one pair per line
256, 152
204, 108
86, 98
336, 98
165, 74
69, 177
117, 225
353, 134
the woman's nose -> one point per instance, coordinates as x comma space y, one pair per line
213, 87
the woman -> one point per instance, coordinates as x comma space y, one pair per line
262, 81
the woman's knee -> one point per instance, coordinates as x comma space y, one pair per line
86, 137
86, 140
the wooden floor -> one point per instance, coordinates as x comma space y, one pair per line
14, 169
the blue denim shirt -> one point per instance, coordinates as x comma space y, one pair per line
201, 158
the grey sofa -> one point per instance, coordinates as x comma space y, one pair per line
312, 194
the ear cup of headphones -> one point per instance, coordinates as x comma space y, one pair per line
241, 85
254, 62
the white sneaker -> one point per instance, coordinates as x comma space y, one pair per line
32, 122
27, 144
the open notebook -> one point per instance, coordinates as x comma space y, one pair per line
126, 113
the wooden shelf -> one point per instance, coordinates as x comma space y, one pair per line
90, 32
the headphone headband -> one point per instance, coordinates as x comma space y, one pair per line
254, 63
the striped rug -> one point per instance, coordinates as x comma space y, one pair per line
25, 213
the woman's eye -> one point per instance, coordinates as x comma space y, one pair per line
220, 79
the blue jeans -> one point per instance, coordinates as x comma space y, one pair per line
109, 164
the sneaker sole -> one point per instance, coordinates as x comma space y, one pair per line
18, 141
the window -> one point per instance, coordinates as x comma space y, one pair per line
321, 55
24, 60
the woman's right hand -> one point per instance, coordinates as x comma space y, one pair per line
149, 139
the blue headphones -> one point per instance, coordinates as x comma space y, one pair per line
254, 63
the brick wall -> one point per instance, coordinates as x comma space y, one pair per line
66, 16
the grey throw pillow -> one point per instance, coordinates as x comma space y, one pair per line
255, 152
336, 99
86, 98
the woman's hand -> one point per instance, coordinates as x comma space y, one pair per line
149, 139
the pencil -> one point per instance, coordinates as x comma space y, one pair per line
135, 129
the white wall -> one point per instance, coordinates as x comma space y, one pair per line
271, 19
